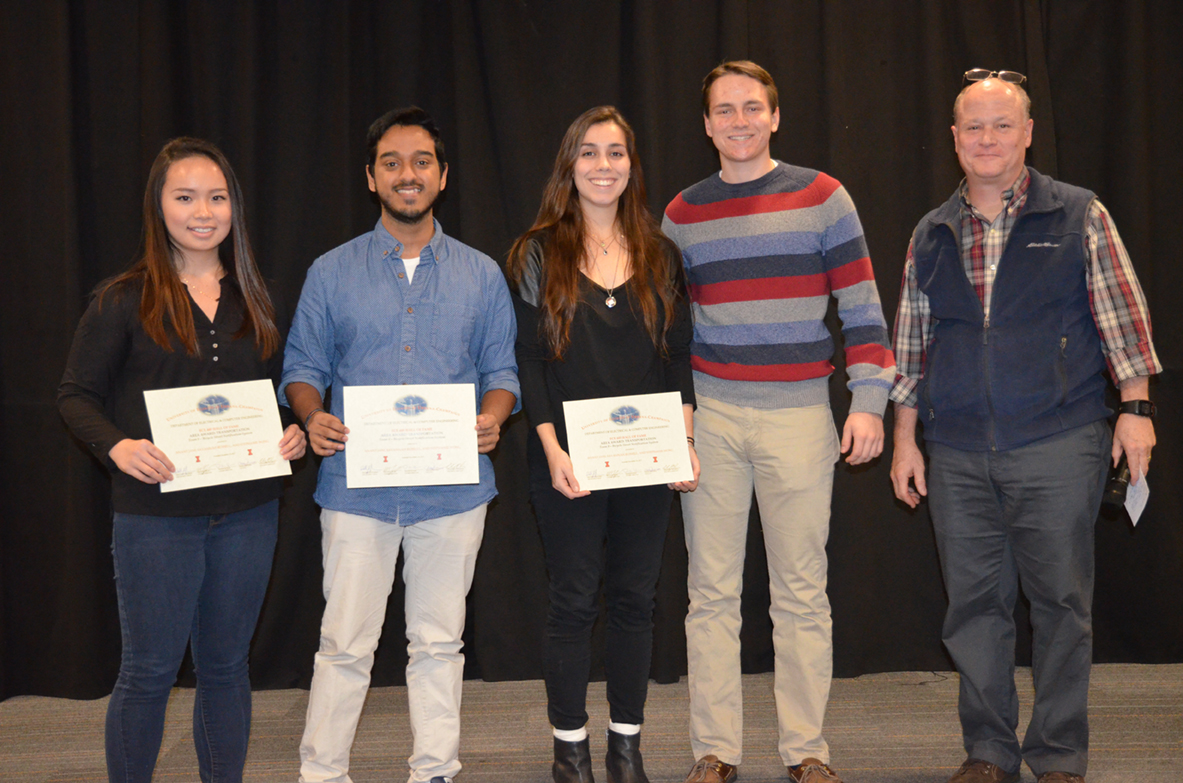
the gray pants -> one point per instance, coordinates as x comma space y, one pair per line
1026, 515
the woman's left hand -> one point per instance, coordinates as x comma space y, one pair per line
291, 446
689, 486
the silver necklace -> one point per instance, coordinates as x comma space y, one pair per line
611, 300
197, 290
605, 245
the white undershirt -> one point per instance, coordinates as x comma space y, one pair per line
410, 264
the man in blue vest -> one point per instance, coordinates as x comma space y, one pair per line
1017, 295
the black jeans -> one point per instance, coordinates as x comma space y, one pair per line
633, 524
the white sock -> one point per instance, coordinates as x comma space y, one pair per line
573, 735
628, 729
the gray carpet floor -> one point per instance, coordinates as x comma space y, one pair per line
882, 728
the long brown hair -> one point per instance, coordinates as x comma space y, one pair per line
560, 229
164, 302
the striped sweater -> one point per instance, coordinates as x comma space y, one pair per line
762, 259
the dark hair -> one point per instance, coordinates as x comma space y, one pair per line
410, 115
560, 230
739, 68
164, 301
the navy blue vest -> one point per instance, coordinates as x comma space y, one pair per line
1035, 368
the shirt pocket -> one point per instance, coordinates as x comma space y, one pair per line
452, 328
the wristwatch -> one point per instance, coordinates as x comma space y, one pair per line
1138, 408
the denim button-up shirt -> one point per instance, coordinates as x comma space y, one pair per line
360, 323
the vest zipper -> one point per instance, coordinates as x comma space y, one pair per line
986, 378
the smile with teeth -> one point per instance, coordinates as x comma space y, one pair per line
603, 183
202, 229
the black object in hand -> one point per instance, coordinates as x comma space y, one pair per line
1116, 486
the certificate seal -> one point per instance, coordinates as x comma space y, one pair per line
411, 405
213, 405
624, 415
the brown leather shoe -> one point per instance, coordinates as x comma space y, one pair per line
709, 769
978, 771
1060, 777
812, 770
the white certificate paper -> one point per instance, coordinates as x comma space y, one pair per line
217, 434
411, 435
631, 441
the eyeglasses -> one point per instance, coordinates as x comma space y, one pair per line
982, 74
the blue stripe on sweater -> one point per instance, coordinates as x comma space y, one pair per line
757, 355
785, 243
809, 331
754, 268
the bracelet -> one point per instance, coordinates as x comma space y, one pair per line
690, 440
311, 413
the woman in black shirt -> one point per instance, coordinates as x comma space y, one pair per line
191, 566
601, 313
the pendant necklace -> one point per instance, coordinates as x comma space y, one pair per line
611, 300
605, 245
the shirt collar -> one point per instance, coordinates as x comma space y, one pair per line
433, 251
1011, 197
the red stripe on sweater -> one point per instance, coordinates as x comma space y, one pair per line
872, 354
682, 212
760, 288
763, 372
858, 271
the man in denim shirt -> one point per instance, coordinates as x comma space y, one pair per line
401, 304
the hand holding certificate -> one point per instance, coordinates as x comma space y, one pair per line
411, 435
631, 441
217, 434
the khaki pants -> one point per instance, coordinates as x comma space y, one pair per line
787, 456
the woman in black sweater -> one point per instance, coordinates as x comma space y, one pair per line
191, 566
602, 312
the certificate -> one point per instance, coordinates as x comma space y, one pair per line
217, 434
411, 435
629, 441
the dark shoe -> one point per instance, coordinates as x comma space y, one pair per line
572, 762
441, 779
709, 769
978, 771
623, 760
1060, 777
813, 771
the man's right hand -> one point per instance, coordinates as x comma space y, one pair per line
907, 463
326, 433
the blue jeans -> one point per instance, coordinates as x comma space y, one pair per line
1021, 516
181, 580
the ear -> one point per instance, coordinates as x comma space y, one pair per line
1030, 126
706, 120
444, 177
370, 178
776, 119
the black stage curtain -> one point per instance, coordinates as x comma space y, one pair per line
91, 90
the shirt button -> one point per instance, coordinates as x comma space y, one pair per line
410, 309
212, 331
385, 252
401, 275
216, 345
992, 268
407, 349
215, 358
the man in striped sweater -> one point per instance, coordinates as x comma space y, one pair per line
765, 245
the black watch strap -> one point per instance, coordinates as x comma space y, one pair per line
1138, 408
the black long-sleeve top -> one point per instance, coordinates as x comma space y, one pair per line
610, 352
113, 362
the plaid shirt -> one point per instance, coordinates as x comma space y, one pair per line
1119, 308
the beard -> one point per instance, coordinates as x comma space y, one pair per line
406, 216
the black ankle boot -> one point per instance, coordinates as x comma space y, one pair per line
572, 762
624, 759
